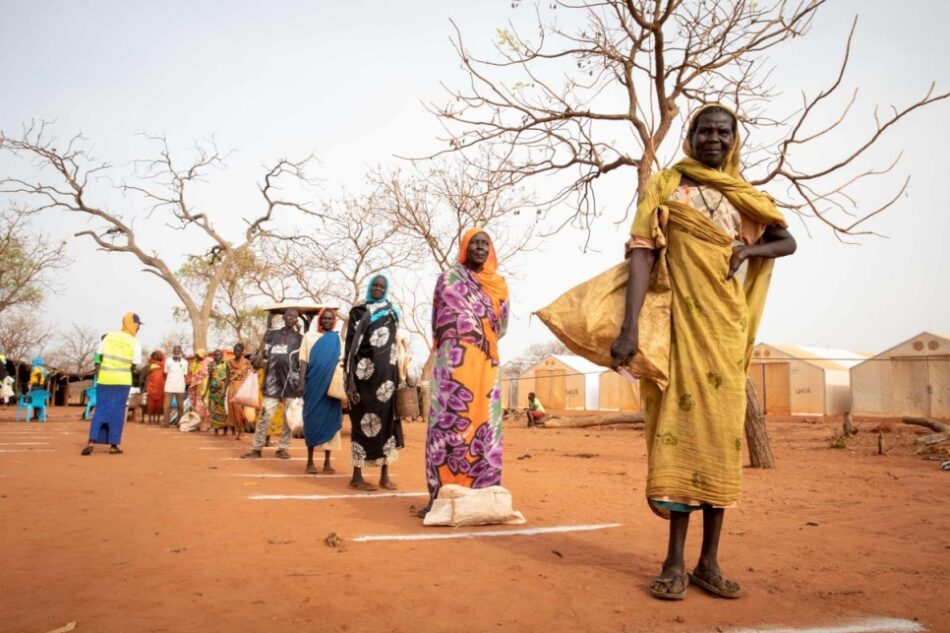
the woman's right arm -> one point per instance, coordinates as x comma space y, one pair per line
640, 269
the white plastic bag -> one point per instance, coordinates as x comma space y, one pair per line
293, 414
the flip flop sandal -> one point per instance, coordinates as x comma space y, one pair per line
251, 455
87, 451
115, 450
389, 486
365, 487
713, 589
282, 454
666, 595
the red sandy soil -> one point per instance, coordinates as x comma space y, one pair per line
162, 538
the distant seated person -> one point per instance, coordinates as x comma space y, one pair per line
536, 413
38, 374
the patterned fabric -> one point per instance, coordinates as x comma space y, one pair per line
371, 371
238, 370
464, 439
198, 388
217, 387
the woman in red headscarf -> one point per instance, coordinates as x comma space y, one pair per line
155, 388
469, 315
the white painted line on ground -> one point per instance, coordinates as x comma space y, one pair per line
267, 459
557, 529
222, 448
874, 625
364, 495
23, 443
27, 450
275, 475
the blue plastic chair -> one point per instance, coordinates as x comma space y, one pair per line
34, 400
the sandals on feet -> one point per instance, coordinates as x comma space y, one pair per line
664, 591
365, 486
115, 450
721, 589
282, 454
87, 450
252, 454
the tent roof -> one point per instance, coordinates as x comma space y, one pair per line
823, 357
943, 337
578, 363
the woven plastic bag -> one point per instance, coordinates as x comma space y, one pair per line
588, 317
457, 506
249, 393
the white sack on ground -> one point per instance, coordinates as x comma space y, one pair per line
458, 506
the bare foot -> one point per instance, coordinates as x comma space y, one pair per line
328, 470
312, 470
387, 485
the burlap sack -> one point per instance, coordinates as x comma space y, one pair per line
588, 318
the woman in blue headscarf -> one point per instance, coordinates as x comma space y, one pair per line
322, 415
371, 381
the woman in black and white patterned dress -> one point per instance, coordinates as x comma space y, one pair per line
371, 380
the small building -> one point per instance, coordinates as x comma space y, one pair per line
912, 378
794, 380
562, 382
616, 393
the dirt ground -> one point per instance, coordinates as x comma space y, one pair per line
166, 538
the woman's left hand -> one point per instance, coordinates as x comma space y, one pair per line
739, 255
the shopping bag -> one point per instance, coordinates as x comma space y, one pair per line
248, 394
293, 414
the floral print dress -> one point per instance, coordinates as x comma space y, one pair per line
464, 440
371, 367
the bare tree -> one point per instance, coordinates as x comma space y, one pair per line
235, 316
533, 354
610, 94
334, 261
165, 186
28, 261
432, 206
23, 335
76, 350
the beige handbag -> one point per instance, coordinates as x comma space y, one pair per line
336, 389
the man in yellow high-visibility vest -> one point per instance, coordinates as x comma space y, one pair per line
118, 353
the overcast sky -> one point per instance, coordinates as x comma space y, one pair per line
346, 80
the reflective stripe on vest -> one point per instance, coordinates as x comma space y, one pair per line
118, 351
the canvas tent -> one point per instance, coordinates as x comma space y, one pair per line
796, 380
561, 382
616, 393
912, 378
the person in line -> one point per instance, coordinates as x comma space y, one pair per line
176, 372
322, 415
198, 388
280, 358
38, 374
118, 352
536, 412
469, 316
238, 369
154, 386
217, 392
705, 238
371, 377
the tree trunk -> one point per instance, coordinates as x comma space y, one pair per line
847, 427
934, 425
199, 330
580, 422
756, 435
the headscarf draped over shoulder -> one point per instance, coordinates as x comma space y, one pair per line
749, 201
492, 283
